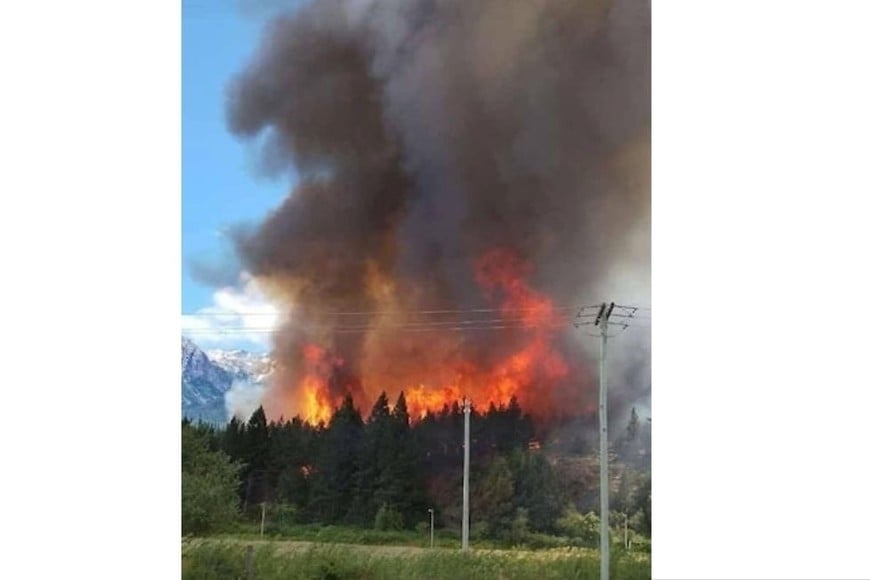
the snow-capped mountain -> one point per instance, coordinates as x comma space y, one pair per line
242, 364
203, 385
206, 378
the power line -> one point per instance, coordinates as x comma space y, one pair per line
440, 322
363, 329
555, 318
405, 312
584, 317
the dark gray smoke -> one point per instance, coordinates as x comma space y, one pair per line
426, 132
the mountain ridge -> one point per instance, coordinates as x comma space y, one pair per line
207, 377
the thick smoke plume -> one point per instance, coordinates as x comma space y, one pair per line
453, 155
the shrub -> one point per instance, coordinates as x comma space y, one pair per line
544, 541
582, 527
280, 518
388, 518
520, 526
478, 531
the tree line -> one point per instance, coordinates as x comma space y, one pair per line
386, 471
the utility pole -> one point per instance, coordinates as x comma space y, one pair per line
466, 409
262, 517
603, 321
431, 528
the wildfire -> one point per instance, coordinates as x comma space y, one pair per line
422, 401
501, 272
528, 370
316, 403
537, 365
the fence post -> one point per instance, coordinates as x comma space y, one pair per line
249, 563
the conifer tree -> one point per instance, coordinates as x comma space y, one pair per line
537, 489
494, 495
373, 457
333, 482
404, 486
632, 425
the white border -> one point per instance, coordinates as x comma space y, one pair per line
759, 263
91, 287
760, 245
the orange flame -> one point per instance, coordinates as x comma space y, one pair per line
438, 369
315, 404
537, 364
422, 401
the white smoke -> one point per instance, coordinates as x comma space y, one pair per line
242, 399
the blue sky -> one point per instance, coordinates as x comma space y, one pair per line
219, 187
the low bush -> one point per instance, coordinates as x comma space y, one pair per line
388, 518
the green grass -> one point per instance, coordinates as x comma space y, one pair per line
346, 535
225, 560
444, 537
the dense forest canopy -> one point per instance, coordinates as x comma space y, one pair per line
387, 470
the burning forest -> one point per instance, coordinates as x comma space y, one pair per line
466, 175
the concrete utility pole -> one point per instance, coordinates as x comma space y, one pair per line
431, 528
603, 320
601, 323
467, 410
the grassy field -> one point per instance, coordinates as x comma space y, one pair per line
444, 537
343, 535
224, 559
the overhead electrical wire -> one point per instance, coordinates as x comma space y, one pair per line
558, 317
382, 312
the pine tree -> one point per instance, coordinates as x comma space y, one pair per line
494, 498
404, 487
334, 480
233, 444
373, 456
233, 439
255, 452
537, 490
289, 447
622, 502
401, 416
257, 440
632, 425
